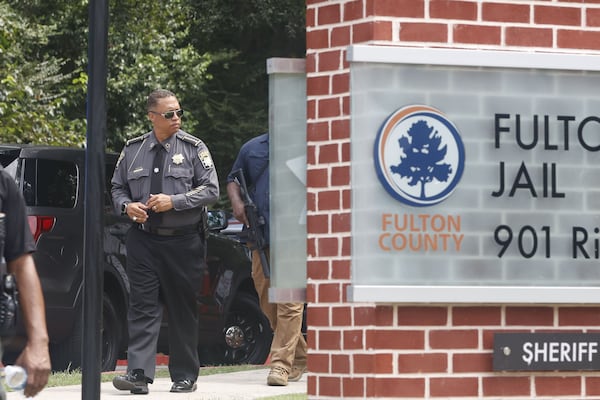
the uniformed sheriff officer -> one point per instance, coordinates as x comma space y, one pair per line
163, 181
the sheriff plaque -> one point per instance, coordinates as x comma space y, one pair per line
546, 351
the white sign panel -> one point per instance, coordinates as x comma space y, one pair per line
287, 177
474, 183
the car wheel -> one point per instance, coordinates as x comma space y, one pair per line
113, 330
67, 354
247, 334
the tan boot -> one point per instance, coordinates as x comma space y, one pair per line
278, 376
296, 373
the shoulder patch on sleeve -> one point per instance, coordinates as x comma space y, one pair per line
206, 159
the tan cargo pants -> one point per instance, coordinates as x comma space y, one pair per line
288, 347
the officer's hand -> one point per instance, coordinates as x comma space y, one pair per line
137, 212
159, 202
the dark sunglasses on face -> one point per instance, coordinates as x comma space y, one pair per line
169, 114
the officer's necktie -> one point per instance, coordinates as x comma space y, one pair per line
156, 177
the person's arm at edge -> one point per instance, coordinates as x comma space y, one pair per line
237, 204
35, 357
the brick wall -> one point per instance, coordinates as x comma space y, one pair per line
398, 351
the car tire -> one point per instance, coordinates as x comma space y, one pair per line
113, 332
66, 356
247, 334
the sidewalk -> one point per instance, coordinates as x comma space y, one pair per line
244, 385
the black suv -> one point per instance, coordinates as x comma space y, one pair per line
233, 328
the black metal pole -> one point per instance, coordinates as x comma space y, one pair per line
94, 200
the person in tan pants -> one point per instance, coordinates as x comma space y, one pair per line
288, 349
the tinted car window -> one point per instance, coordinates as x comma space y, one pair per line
12, 169
50, 183
8, 157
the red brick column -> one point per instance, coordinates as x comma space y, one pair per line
395, 351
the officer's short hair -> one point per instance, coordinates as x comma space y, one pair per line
156, 95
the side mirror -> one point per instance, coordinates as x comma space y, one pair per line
217, 220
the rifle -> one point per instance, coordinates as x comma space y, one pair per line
253, 232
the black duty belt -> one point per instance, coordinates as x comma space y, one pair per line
181, 230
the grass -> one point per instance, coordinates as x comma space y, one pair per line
68, 378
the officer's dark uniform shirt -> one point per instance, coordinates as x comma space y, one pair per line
189, 176
253, 159
18, 240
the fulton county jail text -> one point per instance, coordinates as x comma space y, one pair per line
541, 138
546, 135
435, 232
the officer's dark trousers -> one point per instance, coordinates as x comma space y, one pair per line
171, 266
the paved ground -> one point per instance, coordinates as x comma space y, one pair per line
244, 385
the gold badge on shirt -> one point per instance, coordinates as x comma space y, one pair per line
205, 158
177, 158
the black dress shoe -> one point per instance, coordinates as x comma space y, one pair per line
183, 386
135, 381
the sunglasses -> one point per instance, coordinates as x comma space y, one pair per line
169, 114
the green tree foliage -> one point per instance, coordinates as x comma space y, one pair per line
155, 52
242, 35
33, 90
148, 47
211, 53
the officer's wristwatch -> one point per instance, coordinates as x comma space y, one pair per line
124, 208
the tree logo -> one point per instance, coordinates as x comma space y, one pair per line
419, 156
